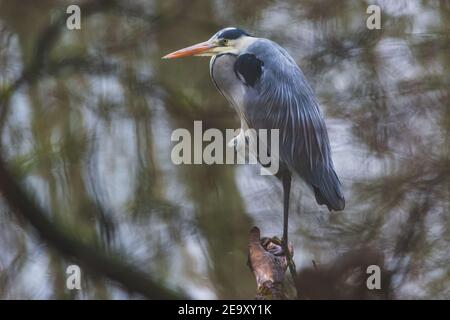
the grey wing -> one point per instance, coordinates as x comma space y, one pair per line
282, 99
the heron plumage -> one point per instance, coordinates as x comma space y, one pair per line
273, 93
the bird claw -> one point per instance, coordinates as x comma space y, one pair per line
276, 246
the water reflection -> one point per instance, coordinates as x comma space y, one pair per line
91, 139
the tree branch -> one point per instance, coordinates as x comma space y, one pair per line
71, 247
268, 263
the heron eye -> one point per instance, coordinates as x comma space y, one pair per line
224, 42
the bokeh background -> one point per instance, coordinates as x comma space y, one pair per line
87, 116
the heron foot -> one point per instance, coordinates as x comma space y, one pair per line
290, 261
276, 246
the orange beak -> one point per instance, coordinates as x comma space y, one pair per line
196, 49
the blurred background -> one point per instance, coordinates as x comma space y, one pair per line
86, 117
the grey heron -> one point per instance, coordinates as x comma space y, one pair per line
269, 91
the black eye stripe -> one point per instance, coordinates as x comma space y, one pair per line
232, 34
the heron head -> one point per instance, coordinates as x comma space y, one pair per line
228, 40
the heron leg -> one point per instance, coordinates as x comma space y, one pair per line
286, 176
286, 179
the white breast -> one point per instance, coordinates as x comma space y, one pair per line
227, 82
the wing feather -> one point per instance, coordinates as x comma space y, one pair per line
282, 99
